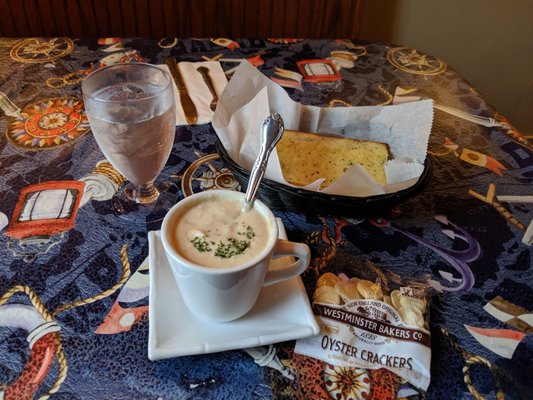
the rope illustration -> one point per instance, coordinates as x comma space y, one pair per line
48, 317
381, 89
335, 101
466, 371
471, 359
126, 272
35, 300
387, 95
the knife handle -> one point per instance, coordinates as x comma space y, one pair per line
191, 115
173, 67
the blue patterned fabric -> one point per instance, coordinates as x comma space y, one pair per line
454, 232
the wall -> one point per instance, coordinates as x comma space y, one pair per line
489, 42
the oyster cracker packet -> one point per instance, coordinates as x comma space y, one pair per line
372, 320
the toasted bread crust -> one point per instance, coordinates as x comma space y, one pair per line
305, 157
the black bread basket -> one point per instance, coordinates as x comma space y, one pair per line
285, 198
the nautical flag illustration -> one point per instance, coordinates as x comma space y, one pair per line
517, 317
288, 78
500, 341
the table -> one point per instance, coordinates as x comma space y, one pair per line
83, 279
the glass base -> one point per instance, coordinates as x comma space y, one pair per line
141, 211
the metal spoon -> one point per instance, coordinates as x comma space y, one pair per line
271, 131
204, 71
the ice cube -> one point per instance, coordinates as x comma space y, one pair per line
134, 90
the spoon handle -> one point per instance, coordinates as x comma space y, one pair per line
271, 132
204, 71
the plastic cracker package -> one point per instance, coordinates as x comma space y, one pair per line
373, 320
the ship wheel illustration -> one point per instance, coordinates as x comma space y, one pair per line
40, 50
204, 174
413, 62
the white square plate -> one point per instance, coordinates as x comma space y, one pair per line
281, 313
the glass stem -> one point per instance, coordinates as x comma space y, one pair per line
146, 193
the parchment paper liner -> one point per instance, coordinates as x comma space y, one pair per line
250, 97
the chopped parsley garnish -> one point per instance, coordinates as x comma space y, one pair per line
232, 248
249, 232
227, 249
201, 244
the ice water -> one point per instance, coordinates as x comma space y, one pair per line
135, 135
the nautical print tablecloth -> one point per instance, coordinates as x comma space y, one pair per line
74, 276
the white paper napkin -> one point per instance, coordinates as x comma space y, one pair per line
198, 90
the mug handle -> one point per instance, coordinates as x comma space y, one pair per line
286, 248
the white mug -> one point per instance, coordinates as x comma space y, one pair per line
227, 293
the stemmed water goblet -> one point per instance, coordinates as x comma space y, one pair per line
131, 112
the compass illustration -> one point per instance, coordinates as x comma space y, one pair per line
413, 62
41, 50
48, 123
